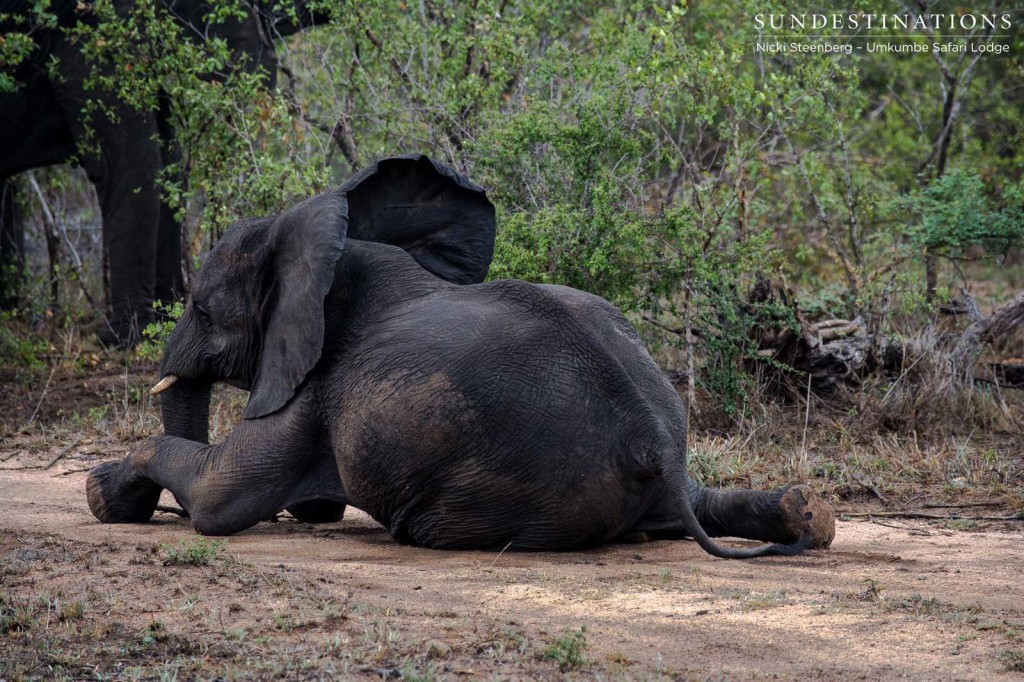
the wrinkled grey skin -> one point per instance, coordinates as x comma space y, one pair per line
42, 123
382, 374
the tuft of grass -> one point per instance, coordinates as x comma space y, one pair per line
919, 605
496, 641
154, 632
237, 634
872, 590
1012, 660
201, 552
757, 601
15, 614
379, 637
71, 611
567, 650
286, 622
411, 673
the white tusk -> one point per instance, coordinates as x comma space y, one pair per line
163, 385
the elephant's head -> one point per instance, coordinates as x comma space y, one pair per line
255, 318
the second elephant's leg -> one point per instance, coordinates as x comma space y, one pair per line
119, 149
170, 282
130, 204
12, 245
317, 511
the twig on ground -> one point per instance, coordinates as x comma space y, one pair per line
499, 555
71, 471
890, 525
962, 506
62, 453
933, 517
870, 487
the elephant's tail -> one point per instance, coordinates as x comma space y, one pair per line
675, 476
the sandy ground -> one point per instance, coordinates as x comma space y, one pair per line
900, 600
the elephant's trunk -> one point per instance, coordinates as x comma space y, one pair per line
185, 409
185, 384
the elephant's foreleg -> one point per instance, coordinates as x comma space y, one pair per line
783, 515
225, 488
130, 203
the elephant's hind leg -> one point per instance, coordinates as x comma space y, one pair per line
782, 516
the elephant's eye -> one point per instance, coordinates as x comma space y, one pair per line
204, 317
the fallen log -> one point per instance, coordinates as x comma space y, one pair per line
835, 353
1009, 317
831, 360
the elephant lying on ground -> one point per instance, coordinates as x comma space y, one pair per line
382, 374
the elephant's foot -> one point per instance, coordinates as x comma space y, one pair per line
112, 499
806, 514
317, 511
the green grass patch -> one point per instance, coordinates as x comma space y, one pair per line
567, 650
200, 552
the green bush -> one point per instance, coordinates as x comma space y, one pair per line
956, 213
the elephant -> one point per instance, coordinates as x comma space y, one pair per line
42, 122
385, 373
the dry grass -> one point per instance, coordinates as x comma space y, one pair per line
911, 436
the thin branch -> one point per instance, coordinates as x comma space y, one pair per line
1019, 516
42, 396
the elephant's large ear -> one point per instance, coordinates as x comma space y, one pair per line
305, 243
441, 218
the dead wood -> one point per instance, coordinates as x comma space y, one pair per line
835, 353
1009, 317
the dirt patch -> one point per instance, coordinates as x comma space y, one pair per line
906, 599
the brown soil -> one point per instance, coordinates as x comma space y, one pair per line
286, 599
